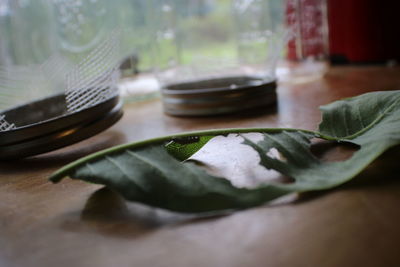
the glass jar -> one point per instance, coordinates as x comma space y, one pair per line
215, 57
58, 74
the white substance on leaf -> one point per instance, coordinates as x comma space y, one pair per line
274, 154
228, 157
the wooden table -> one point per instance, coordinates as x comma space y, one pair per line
77, 224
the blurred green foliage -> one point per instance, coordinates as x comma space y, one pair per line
31, 32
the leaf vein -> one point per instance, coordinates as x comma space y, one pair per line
113, 162
374, 122
359, 116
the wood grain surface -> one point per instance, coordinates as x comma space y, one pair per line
77, 224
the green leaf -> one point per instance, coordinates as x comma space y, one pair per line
152, 176
150, 172
309, 173
368, 118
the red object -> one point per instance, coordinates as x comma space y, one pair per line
364, 31
307, 21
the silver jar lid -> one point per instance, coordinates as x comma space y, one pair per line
46, 126
217, 96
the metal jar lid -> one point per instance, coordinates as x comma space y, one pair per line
46, 126
218, 96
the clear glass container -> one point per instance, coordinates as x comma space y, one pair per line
209, 55
58, 73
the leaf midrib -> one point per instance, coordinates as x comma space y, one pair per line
58, 175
